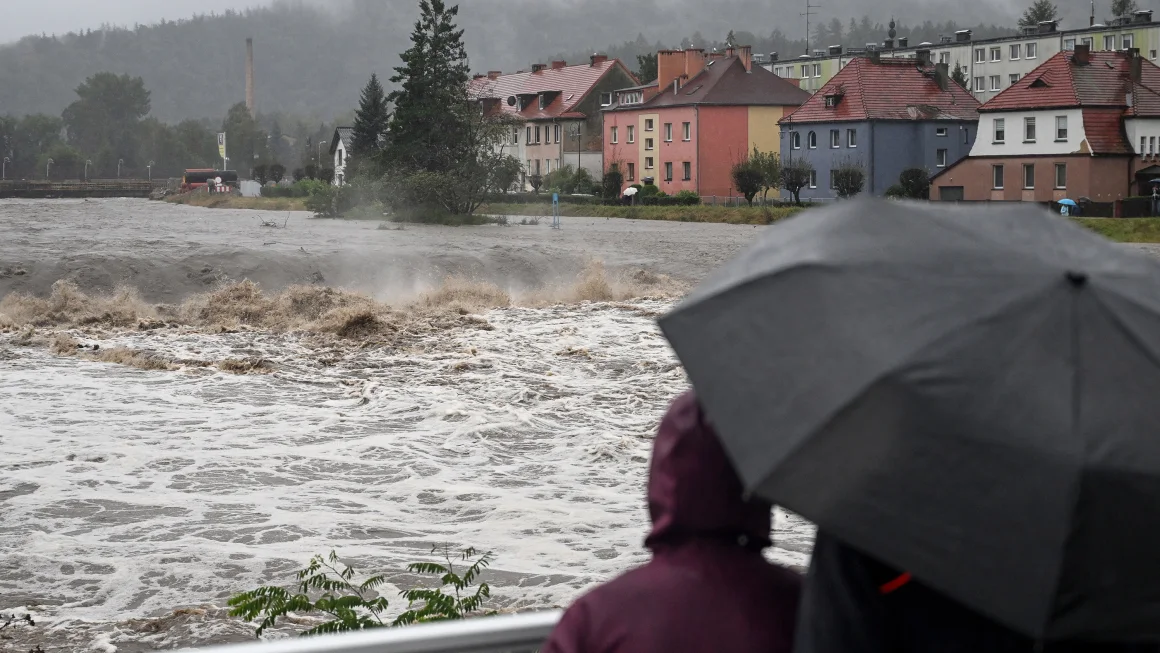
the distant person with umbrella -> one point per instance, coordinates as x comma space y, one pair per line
1068, 207
707, 588
964, 402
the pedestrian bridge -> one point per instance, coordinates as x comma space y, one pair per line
517, 633
76, 189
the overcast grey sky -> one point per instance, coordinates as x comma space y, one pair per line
22, 17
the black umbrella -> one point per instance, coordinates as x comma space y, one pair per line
969, 394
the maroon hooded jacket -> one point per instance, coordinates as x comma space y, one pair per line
707, 588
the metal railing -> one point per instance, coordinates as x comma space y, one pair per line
517, 633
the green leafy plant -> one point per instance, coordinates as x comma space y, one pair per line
688, 197
354, 605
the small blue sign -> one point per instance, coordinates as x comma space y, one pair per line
556, 199
555, 210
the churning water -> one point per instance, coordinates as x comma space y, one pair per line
126, 493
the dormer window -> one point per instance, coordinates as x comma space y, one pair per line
543, 101
833, 100
632, 97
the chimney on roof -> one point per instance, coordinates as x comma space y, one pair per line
745, 53
835, 49
1142, 16
494, 74
963, 35
557, 65
1047, 26
875, 56
942, 76
902, 40
1081, 56
598, 59
1135, 65
478, 76
537, 67
923, 56
730, 51
888, 44
773, 56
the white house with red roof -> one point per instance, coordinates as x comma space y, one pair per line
558, 108
1083, 124
885, 115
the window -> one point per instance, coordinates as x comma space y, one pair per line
529, 168
635, 97
1126, 41
966, 136
606, 99
557, 132
631, 171
648, 163
668, 170
615, 135
1087, 40
1000, 130
851, 138
1030, 50
1069, 44
980, 55
812, 140
1143, 145
340, 158
1151, 54
813, 178
537, 134
944, 57
833, 180
1151, 146
648, 124
1110, 42
940, 158
515, 135
648, 143
542, 103
835, 139
547, 166
994, 82
1061, 128
817, 70
997, 177
529, 139
537, 166
980, 84
996, 54
688, 170
1014, 78
632, 133
1029, 130
1028, 176
687, 134
1061, 175
1015, 50
668, 132
940, 131
796, 140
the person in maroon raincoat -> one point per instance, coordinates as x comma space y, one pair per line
707, 588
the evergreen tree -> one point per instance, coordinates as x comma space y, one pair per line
1121, 8
646, 67
370, 126
428, 128
959, 75
1039, 11
730, 39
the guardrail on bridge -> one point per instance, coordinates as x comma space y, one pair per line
517, 633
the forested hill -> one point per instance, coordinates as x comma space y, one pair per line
312, 61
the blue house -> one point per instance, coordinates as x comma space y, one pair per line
884, 115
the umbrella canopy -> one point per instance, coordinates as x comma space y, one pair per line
630, 191
1067, 202
969, 395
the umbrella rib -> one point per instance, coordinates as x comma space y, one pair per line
892, 369
1152, 355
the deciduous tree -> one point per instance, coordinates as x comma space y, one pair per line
748, 179
849, 178
795, 175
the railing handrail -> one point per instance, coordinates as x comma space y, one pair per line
517, 632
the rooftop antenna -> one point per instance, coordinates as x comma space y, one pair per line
808, 13
1092, 17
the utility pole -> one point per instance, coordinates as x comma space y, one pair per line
808, 13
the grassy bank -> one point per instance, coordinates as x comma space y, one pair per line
1125, 230
219, 201
700, 213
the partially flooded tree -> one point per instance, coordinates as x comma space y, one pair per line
796, 175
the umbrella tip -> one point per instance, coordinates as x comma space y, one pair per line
1077, 279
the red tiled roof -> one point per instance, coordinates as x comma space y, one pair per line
892, 89
1103, 82
725, 82
1105, 131
569, 86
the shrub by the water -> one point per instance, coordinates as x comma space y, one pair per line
352, 605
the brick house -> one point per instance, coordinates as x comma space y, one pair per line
703, 114
558, 107
886, 115
1083, 124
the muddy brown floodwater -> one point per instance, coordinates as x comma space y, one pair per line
192, 404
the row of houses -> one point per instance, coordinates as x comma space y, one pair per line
1078, 124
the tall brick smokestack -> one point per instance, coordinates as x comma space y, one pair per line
250, 75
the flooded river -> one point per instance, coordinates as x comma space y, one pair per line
494, 387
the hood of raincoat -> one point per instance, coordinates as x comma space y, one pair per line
693, 491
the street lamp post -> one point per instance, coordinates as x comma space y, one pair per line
120, 162
318, 159
48, 169
150, 167
4, 168
88, 162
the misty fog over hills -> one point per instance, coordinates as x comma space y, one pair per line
313, 57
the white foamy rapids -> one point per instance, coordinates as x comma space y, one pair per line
127, 493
